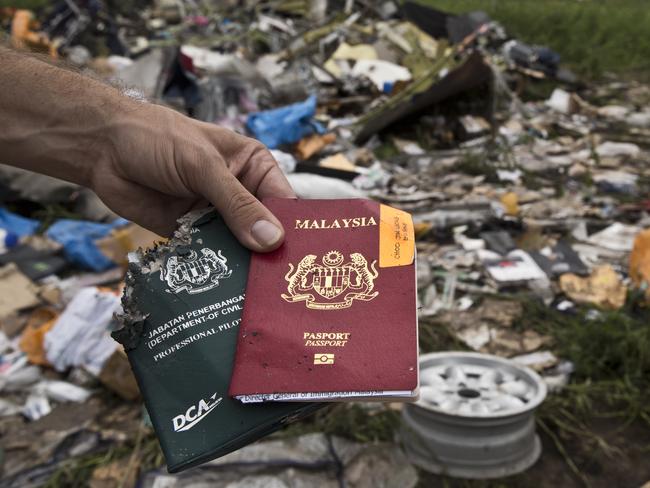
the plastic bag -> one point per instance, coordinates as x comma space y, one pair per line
78, 239
285, 125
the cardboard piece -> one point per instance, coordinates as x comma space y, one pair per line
117, 375
603, 288
17, 292
338, 161
310, 145
13, 324
123, 240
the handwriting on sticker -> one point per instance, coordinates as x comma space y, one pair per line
400, 233
396, 241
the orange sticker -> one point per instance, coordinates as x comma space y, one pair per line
396, 237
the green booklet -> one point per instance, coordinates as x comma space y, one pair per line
182, 307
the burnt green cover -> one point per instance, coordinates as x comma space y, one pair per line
182, 348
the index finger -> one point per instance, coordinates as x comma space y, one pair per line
264, 178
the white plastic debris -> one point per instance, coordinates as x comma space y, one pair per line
218, 63
78, 55
118, 63
617, 149
474, 126
374, 177
381, 72
285, 160
475, 337
18, 378
346, 52
613, 111
619, 180
270, 66
62, 391
405, 146
516, 267
430, 304
308, 185
565, 305
8, 408
561, 101
639, 119
5, 343
536, 360
467, 243
513, 176
616, 237
36, 406
464, 303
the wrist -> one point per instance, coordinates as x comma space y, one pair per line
121, 120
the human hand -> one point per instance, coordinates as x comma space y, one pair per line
162, 164
146, 162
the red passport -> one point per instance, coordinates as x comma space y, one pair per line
331, 314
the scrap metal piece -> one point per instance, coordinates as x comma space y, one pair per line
472, 73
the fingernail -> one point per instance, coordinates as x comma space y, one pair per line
265, 233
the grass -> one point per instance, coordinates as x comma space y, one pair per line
593, 36
24, 4
352, 421
143, 453
615, 345
610, 354
611, 382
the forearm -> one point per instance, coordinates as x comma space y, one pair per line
148, 163
55, 121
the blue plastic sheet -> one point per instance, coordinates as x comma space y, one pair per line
78, 239
16, 224
285, 125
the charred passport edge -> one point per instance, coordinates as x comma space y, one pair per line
144, 262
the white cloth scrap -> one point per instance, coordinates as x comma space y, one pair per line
80, 336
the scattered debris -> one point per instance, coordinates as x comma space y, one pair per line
518, 197
308, 460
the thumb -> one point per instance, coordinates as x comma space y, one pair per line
251, 222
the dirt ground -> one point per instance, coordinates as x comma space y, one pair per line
622, 465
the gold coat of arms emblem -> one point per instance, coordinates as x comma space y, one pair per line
331, 284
